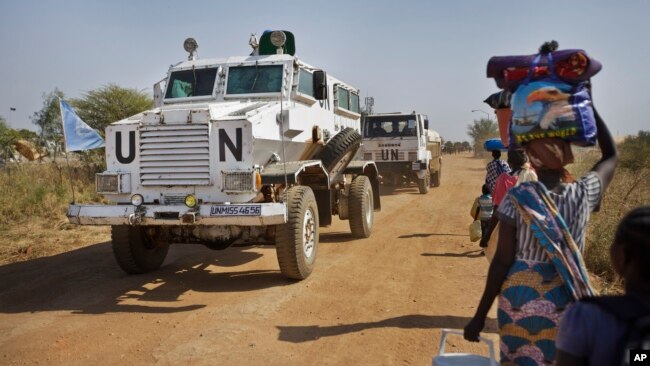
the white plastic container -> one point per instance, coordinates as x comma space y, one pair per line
463, 359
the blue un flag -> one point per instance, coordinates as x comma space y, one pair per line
78, 135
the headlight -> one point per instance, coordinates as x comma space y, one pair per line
190, 201
137, 199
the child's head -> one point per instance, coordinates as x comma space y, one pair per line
486, 189
630, 251
496, 154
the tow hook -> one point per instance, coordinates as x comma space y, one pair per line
136, 217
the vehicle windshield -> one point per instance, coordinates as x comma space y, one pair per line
191, 83
390, 126
254, 79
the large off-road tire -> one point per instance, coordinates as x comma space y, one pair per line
435, 177
296, 241
135, 251
361, 207
339, 151
424, 183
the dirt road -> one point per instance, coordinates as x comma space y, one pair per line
378, 301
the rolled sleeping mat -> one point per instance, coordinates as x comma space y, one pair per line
572, 66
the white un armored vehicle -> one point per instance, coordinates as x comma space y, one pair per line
237, 150
404, 148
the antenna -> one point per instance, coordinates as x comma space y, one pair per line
370, 103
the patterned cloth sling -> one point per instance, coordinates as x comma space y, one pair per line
541, 214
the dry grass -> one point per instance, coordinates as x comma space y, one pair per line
630, 188
33, 201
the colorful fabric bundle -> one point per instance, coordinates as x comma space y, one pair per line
572, 66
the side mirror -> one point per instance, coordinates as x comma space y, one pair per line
426, 124
320, 85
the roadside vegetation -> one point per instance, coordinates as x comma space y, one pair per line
34, 195
481, 130
630, 188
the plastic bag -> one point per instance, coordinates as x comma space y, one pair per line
550, 107
475, 231
473, 211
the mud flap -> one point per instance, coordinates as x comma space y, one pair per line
324, 203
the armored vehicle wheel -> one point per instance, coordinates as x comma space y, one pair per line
435, 177
424, 183
361, 207
339, 151
135, 251
296, 241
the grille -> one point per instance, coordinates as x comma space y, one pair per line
174, 155
413, 156
237, 181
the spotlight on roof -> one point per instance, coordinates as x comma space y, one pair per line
190, 46
278, 39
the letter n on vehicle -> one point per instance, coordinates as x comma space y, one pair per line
235, 148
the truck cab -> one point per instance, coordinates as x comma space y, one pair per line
404, 148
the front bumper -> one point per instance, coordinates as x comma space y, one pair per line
269, 214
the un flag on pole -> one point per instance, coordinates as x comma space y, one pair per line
78, 135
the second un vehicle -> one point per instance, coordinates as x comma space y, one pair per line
244, 149
404, 148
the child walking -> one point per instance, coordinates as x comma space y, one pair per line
483, 210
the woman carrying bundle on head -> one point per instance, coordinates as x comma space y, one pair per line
538, 270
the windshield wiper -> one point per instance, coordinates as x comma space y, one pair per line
194, 84
255, 80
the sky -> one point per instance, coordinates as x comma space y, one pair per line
427, 56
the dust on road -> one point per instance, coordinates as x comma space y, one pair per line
377, 301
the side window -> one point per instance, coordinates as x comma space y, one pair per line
354, 102
306, 83
343, 97
347, 102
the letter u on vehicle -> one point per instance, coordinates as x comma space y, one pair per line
118, 147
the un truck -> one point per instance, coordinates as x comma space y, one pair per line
404, 148
247, 149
